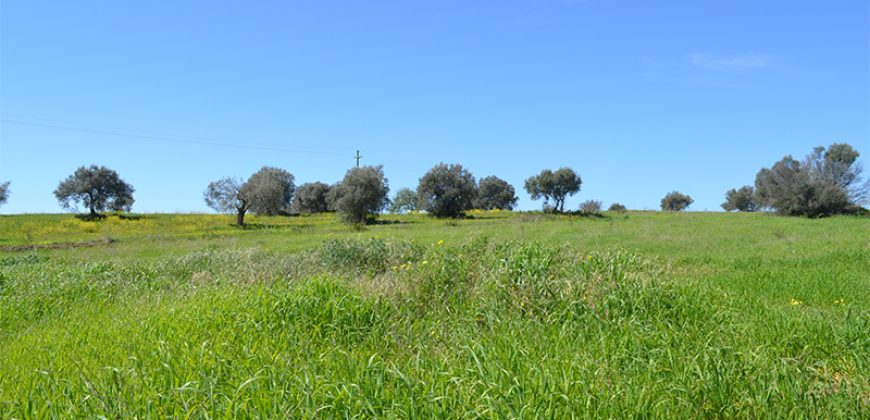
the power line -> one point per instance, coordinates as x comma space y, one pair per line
103, 127
159, 136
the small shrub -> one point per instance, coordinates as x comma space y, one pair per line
616, 207
590, 207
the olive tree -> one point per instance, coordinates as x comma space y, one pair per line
839, 165
495, 193
827, 182
311, 197
330, 197
446, 191
404, 201
556, 185
4, 192
229, 195
270, 190
791, 189
361, 195
742, 199
778, 187
97, 188
676, 201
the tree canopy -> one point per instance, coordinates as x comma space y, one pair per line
97, 188
269, 191
446, 191
742, 199
495, 193
228, 195
311, 197
361, 195
404, 201
556, 185
676, 201
827, 182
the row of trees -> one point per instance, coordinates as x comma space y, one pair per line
271, 191
446, 190
826, 182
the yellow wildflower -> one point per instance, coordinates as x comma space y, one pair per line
440, 242
796, 302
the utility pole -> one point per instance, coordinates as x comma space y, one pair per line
357, 157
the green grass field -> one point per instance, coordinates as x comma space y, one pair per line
501, 315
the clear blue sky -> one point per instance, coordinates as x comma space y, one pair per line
640, 97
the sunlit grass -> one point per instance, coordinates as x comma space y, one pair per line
503, 315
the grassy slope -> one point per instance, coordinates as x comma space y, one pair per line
186, 313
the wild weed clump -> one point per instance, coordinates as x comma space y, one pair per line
370, 256
527, 279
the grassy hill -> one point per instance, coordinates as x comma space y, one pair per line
499, 315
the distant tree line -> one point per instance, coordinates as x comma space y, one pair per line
445, 191
828, 181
